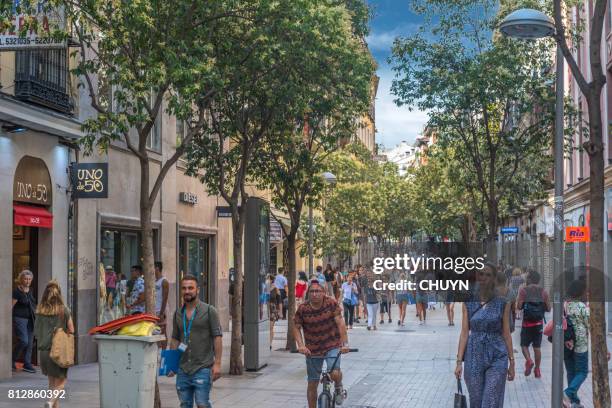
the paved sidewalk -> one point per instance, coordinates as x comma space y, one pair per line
395, 367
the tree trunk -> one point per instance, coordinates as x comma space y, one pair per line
491, 237
291, 277
146, 228
236, 366
599, 361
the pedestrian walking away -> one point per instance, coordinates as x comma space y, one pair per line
274, 305
52, 313
385, 303
324, 335
330, 277
162, 288
300, 288
349, 297
485, 344
534, 301
196, 332
282, 284
576, 351
402, 300
372, 301
24, 307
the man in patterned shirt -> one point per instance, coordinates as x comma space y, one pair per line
320, 318
136, 300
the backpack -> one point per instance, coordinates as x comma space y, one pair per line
534, 311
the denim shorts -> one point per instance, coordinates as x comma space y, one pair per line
193, 386
314, 365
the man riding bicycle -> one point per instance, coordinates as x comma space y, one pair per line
320, 318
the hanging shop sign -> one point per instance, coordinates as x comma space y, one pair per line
34, 28
90, 180
276, 231
577, 234
32, 183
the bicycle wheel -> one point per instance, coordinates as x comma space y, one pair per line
325, 400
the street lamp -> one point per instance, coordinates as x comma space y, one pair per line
330, 179
533, 24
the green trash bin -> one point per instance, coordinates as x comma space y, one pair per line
128, 368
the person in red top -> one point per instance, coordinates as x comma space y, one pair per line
300, 287
320, 318
534, 301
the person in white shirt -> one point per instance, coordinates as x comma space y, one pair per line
162, 288
281, 283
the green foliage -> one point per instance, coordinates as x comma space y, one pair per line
490, 102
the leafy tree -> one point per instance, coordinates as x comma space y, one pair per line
336, 90
591, 86
487, 98
280, 63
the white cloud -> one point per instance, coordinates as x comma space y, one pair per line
395, 124
383, 40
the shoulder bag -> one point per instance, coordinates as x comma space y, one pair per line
62, 344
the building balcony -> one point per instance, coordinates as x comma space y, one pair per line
41, 78
40, 92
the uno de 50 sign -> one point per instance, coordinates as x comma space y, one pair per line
90, 180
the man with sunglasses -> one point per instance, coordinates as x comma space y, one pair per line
320, 319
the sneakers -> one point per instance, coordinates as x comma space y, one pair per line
29, 369
369, 328
340, 395
399, 322
382, 321
528, 366
390, 321
537, 373
566, 402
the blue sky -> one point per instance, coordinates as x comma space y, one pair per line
392, 18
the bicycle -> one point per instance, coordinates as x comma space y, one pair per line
326, 398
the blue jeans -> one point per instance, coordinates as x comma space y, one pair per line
24, 331
196, 385
577, 368
314, 365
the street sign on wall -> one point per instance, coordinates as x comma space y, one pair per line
509, 230
33, 30
577, 234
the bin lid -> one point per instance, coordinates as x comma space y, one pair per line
147, 339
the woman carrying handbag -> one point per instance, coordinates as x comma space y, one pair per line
54, 330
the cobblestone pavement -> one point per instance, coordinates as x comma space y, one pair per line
394, 367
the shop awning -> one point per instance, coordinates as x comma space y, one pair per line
30, 216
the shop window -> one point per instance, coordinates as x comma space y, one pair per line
194, 259
120, 250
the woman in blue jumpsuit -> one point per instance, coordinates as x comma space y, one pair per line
485, 344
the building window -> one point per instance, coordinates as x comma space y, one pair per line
181, 129
41, 77
154, 139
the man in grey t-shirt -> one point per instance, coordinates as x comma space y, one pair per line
197, 333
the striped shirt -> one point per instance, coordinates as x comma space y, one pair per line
321, 333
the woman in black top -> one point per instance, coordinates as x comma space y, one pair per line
24, 306
329, 279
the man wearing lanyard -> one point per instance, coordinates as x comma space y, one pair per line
197, 333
